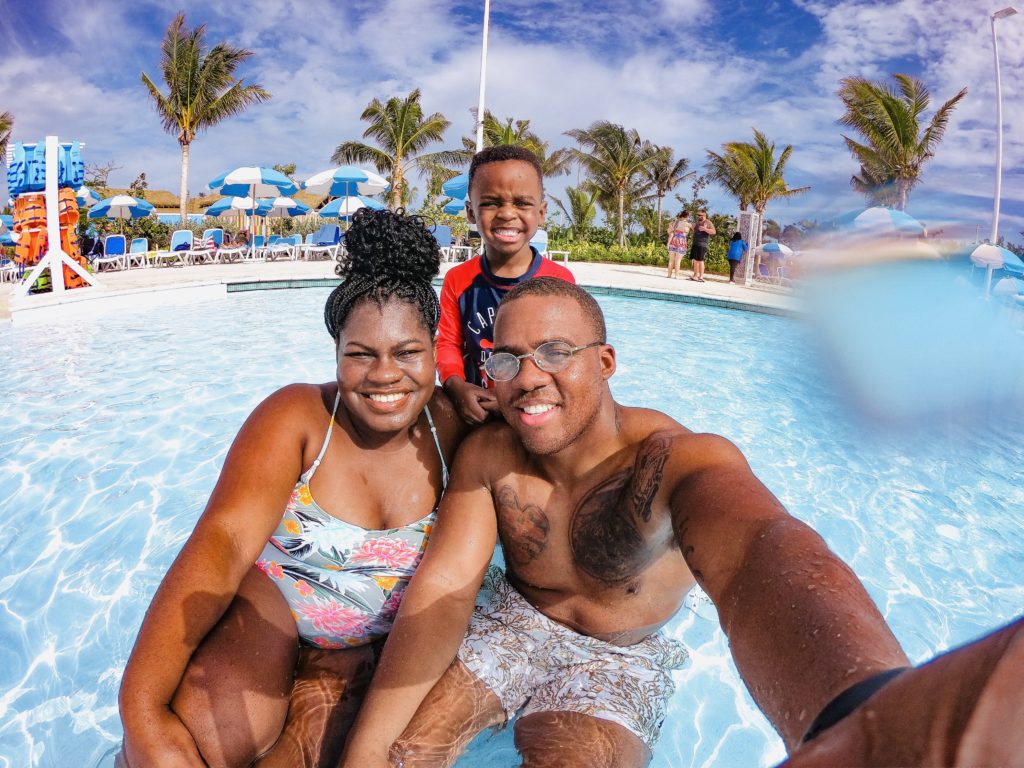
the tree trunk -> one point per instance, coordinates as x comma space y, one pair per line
660, 198
396, 184
902, 185
184, 182
622, 229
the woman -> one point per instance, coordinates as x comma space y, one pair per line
318, 519
677, 238
737, 247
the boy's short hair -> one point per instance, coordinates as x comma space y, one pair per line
501, 153
556, 287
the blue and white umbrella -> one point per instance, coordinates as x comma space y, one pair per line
283, 207
7, 238
122, 207
253, 181
87, 197
775, 249
242, 204
455, 208
879, 221
344, 207
346, 181
6, 222
457, 186
995, 257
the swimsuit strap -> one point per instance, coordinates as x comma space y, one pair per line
308, 474
437, 443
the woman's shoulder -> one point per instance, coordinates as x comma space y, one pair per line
450, 426
306, 403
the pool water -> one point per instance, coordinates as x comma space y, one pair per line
115, 429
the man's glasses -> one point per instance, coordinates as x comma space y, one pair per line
550, 357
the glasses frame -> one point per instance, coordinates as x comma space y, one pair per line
533, 356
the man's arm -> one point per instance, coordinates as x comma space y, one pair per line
435, 608
801, 627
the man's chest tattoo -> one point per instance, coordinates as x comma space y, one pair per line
524, 527
605, 535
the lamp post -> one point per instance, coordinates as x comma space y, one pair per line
483, 79
1008, 11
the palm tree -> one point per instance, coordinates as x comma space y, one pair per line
665, 174
751, 171
202, 90
894, 147
517, 133
6, 124
615, 160
580, 209
402, 132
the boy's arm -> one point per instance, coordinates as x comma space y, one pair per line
435, 609
800, 625
449, 334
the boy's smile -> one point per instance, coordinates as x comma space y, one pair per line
507, 205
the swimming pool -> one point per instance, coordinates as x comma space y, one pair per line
115, 429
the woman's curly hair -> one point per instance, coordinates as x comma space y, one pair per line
390, 256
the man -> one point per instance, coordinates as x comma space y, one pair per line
703, 230
607, 516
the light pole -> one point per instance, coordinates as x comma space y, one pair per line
483, 79
1008, 11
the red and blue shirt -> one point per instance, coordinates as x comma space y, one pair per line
469, 301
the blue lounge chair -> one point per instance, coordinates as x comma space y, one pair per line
540, 242
327, 240
114, 253
137, 252
180, 249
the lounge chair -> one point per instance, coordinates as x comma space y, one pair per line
283, 246
327, 240
228, 253
255, 250
205, 250
137, 251
8, 271
114, 253
179, 250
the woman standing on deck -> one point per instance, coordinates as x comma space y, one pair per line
677, 242
319, 518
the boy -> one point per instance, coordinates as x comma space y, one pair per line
506, 202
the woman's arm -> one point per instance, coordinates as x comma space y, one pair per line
435, 609
258, 476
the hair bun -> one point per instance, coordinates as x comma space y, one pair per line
384, 244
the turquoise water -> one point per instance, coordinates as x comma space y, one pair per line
115, 429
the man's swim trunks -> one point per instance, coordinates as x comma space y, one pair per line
537, 665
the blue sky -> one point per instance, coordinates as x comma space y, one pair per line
690, 74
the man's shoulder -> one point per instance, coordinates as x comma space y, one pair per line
493, 445
646, 426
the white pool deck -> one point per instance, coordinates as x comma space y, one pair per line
172, 285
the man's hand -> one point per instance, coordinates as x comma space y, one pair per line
473, 403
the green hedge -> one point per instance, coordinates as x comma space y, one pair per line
648, 254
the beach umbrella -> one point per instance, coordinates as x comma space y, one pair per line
253, 181
122, 207
457, 186
776, 249
235, 203
346, 181
879, 221
87, 197
7, 238
993, 257
455, 208
283, 207
344, 207
6, 222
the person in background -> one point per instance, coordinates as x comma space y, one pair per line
263, 633
678, 242
506, 203
737, 249
702, 233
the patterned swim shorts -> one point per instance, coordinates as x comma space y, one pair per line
537, 665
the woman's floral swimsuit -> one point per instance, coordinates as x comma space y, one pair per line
342, 582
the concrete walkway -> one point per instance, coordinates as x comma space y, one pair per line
137, 286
